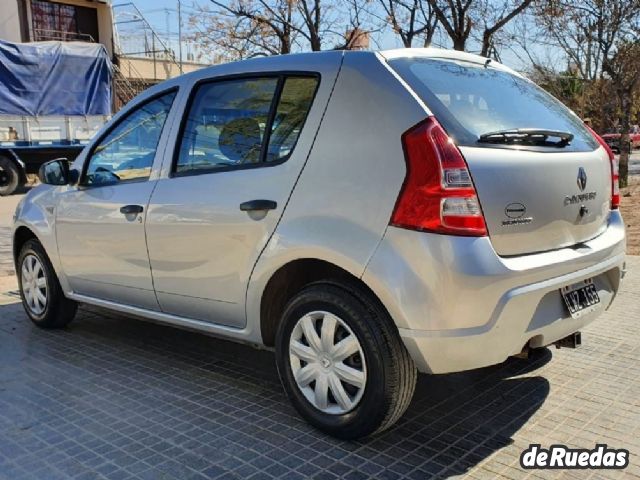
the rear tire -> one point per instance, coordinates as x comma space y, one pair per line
42, 297
364, 393
12, 181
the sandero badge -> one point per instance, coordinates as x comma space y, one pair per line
515, 210
515, 213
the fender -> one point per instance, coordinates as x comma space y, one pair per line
315, 238
36, 212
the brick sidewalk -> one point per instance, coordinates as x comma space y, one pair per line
6, 252
117, 398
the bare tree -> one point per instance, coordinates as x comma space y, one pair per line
459, 17
588, 30
246, 28
496, 16
357, 30
624, 70
600, 39
311, 12
411, 19
323, 20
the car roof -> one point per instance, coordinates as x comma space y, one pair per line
443, 53
304, 61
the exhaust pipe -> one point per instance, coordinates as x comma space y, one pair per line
571, 341
524, 353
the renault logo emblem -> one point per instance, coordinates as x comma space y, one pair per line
582, 179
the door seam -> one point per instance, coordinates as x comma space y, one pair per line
295, 184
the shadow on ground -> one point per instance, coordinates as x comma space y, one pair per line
124, 398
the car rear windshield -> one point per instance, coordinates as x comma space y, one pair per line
470, 100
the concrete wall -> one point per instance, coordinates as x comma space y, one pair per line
10, 21
147, 69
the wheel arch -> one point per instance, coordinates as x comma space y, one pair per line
292, 277
21, 236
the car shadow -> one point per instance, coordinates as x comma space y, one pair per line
232, 392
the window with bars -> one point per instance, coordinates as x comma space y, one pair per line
57, 21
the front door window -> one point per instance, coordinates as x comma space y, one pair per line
127, 152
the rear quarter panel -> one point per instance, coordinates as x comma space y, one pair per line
343, 200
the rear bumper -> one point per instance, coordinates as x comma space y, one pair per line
459, 306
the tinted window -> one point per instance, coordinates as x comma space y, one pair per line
469, 99
127, 152
226, 124
228, 121
295, 102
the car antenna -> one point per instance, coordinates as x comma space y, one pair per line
487, 62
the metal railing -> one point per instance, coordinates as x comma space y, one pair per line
42, 35
136, 38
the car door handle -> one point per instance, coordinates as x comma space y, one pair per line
258, 205
131, 209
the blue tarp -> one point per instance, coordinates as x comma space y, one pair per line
54, 78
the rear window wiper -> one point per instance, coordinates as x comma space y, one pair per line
528, 136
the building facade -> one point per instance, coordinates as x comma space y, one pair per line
140, 57
63, 20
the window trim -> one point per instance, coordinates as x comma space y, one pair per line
275, 101
126, 114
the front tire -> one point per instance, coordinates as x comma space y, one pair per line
341, 361
42, 297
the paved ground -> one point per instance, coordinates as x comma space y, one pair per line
7, 207
112, 397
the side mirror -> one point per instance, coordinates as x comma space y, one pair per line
58, 172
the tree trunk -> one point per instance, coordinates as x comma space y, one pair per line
486, 44
316, 43
459, 43
625, 140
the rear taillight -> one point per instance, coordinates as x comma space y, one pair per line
615, 185
438, 194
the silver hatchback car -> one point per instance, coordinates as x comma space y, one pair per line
366, 214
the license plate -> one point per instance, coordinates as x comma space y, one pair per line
580, 298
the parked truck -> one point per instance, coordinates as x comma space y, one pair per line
54, 97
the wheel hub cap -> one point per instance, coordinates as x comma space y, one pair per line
327, 362
34, 284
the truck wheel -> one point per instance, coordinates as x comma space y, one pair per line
342, 362
9, 176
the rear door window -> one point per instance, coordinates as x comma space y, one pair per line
293, 106
243, 123
470, 100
